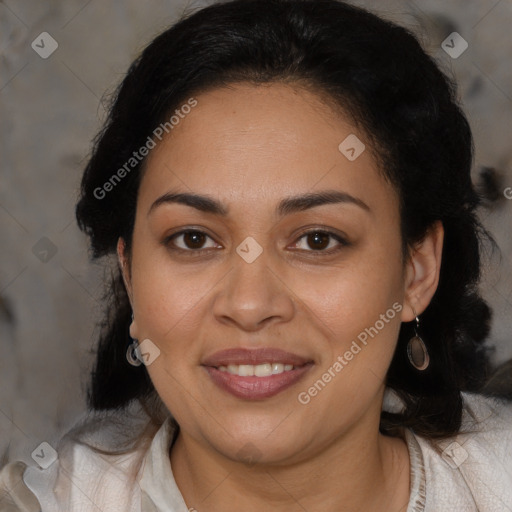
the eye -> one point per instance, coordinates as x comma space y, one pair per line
323, 241
192, 240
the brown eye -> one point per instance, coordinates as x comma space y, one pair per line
319, 241
192, 240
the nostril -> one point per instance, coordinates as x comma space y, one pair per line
488, 184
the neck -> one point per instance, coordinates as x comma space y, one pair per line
356, 471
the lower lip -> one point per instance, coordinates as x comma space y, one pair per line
256, 388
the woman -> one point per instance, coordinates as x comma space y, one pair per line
295, 323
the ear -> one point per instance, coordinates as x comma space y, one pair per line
422, 272
124, 266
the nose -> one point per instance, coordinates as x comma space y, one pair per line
253, 296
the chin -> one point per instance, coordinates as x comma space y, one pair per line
261, 449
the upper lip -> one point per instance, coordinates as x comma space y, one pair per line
254, 357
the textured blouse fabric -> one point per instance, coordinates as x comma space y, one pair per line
469, 472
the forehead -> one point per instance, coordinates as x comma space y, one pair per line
251, 143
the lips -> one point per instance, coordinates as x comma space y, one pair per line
255, 387
254, 357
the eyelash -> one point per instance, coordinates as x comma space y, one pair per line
192, 252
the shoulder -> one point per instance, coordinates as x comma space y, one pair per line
473, 469
15, 496
97, 464
486, 430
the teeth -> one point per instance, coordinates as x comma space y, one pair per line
259, 370
245, 370
263, 370
277, 368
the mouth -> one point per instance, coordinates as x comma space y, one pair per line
255, 374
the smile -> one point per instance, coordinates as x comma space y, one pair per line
255, 374
260, 370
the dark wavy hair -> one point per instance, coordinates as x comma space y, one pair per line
377, 73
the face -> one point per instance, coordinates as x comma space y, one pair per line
257, 279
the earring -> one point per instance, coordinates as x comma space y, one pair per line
416, 349
132, 353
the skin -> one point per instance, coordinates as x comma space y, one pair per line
249, 147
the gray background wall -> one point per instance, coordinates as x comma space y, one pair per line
50, 109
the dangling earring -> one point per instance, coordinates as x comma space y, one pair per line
132, 354
416, 349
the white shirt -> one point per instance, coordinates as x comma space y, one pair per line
466, 473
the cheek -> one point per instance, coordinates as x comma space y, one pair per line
356, 313
170, 311
357, 316
348, 298
168, 295
169, 302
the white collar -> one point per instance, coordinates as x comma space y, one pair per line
159, 490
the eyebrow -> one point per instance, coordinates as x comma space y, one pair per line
285, 207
